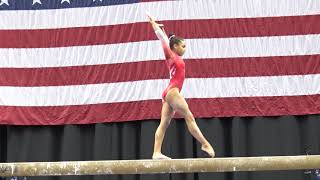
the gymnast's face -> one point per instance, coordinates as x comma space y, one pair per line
180, 48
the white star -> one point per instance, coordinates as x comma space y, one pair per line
36, 1
97, 0
68, 1
4, 2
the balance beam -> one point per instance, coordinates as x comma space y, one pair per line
264, 163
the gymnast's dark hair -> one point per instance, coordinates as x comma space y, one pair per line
173, 39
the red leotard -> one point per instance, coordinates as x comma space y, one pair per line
176, 68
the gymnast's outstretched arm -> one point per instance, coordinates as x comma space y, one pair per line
162, 36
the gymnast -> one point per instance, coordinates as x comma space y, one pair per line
172, 101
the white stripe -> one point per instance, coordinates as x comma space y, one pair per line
165, 10
152, 89
152, 50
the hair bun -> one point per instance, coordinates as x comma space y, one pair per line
171, 35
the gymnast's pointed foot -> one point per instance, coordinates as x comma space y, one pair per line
208, 149
159, 156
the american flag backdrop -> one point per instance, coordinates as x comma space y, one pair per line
89, 61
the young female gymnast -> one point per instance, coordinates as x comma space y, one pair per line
174, 47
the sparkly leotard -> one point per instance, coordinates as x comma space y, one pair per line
176, 68
175, 65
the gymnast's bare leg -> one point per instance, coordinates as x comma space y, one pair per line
179, 104
166, 116
175, 102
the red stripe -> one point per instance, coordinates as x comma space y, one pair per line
117, 112
204, 68
213, 28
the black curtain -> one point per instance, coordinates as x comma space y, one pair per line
230, 137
